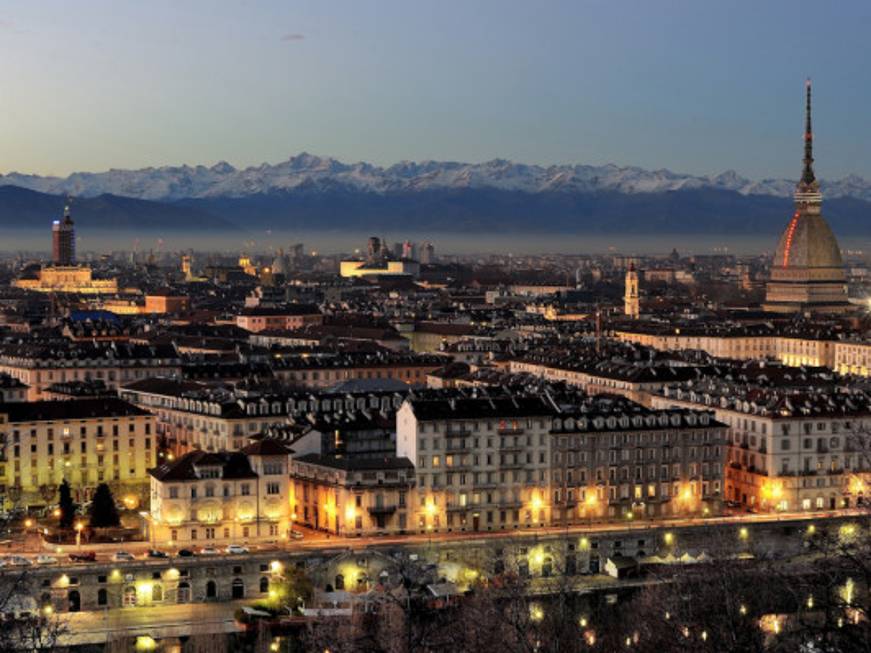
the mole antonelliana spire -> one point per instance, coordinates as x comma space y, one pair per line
807, 274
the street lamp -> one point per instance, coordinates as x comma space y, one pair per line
79, 527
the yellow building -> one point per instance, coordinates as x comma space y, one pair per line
86, 442
224, 497
68, 279
350, 269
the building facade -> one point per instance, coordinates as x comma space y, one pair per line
85, 442
207, 499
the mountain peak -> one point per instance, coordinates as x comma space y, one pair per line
312, 173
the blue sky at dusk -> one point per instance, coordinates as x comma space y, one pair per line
693, 86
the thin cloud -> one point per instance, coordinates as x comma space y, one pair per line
287, 38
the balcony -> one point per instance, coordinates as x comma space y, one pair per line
511, 430
382, 510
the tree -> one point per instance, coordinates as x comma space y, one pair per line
31, 626
104, 513
67, 506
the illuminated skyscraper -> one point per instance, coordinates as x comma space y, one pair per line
63, 240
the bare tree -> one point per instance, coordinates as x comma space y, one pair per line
26, 625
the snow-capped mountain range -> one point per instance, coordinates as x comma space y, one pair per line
309, 173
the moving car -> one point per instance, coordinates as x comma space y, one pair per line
122, 556
154, 553
235, 549
83, 556
296, 535
43, 559
185, 553
209, 551
18, 561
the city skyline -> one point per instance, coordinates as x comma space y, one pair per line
574, 83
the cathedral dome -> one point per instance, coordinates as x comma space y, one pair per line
808, 242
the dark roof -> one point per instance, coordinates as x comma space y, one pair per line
40, 411
459, 407
163, 386
266, 447
350, 464
234, 465
287, 309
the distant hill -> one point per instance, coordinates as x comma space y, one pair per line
704, 211
21, 208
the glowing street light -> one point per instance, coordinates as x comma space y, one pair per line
743, 533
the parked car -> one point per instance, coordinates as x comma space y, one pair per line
122, 556
185, 553
236, 549
43, 559
209, 551
83, 556
296, 535
154, 553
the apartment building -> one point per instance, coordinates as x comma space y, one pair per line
324, 371
40, 365
794, 346
495, 461
481, 462
626, 462
353, 496
215, 498
789, 449
278, 318
193, 415
86, 442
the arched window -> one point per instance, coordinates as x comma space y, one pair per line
340, 582
157, 592
102, 596
184, 592
238, 588
75, 601
211, 589
264, 585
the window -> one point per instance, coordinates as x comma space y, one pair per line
173, 492
245, 490
273, 488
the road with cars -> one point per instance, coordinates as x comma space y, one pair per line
26, 552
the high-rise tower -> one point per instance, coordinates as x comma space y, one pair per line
63, 240
807, 274
631, 305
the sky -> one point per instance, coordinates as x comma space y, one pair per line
695, 86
